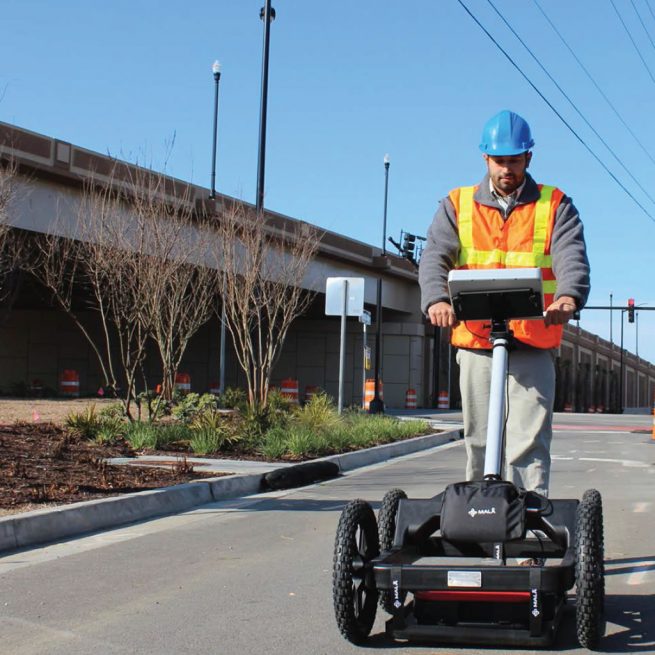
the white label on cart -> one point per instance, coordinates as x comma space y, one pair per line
464, 578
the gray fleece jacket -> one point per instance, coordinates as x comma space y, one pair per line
568, 250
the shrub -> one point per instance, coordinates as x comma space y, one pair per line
233, 398
115, 410
209, 418
319, 415
142, 435
257, 420
85, 424
170, 433
205, 440
191, 404
274, 444
111, 428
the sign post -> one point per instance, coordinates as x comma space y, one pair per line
365, 320
344, 296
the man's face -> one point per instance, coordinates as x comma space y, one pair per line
508, 172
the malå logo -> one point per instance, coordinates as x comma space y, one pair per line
474, 512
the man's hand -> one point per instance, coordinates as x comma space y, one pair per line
441, 314
561, 311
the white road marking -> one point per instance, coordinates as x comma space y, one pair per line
624, 462
642, 507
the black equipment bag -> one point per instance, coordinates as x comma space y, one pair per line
483, 511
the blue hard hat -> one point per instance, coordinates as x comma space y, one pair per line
506, 133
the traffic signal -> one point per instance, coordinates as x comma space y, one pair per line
631, 310
409, 246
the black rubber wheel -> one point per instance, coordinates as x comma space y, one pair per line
590, 570
355, 546
386, 532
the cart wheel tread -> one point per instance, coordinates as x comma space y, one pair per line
387, 531
589, 570
355, 545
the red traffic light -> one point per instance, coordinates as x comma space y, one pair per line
631, 302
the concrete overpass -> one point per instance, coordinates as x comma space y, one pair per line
38, 341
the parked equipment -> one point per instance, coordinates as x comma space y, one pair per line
445, 567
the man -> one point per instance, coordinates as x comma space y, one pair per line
508, 220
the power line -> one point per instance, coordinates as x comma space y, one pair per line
593, 81
543, 97
642, 23
627, 31
650, 9
582, 116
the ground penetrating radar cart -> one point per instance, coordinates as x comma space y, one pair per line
445, 567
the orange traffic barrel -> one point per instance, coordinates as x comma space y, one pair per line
289, 389
183, 382
592, 409
69, 383
214, 388
568, 407
443, 400
410, 399
311, 390
369, 391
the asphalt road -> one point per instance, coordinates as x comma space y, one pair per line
254, 575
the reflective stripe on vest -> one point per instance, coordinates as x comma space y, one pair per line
493, 258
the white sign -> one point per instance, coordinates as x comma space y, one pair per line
365, 318
334, 300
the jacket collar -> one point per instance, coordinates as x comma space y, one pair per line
529, 194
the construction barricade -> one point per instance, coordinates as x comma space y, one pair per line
183, 382
289, 390
410, 399
369, 392
311, 390
69, 383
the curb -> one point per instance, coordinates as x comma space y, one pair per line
49, 525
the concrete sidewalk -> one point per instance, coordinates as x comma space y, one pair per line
66, 521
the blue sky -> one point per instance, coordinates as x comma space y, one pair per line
349, 82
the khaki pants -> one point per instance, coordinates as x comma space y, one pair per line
529, 407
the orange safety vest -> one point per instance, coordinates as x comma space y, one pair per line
521, 241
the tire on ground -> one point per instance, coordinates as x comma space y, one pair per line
355, 545
590, 570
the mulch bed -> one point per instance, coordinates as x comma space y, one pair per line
42, 464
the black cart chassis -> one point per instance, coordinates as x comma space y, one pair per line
466, 592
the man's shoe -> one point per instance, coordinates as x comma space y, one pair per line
531, 561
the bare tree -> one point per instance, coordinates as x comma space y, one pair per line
11, 239
57, 262
116, 263
180, 285
263, 268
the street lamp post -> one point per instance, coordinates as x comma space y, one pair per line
216, 70
376, 405
267, 14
